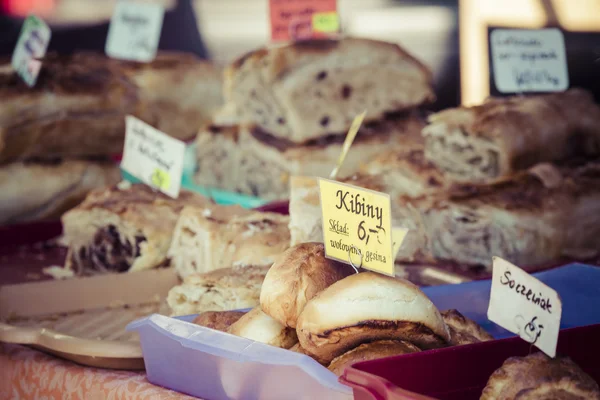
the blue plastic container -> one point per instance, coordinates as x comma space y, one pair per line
215, 365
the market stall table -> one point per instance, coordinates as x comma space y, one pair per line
29, 374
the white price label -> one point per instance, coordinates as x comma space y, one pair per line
525, 306
31, 46
153, 157
134, 31
529, 60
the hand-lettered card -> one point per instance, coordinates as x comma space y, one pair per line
529, 60
31, 47
357, 226
303, 19
153, 156
134, 31
525, 306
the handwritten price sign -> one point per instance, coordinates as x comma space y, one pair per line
31, 46
525, 306
134, 31
529, 60
357, 226
153, 156
303, 19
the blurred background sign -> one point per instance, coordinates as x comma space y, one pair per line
579, 20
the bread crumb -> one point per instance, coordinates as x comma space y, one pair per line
124, 185
58, 272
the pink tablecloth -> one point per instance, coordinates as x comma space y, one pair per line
30, 374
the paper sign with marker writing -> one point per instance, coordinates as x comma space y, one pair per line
31, 46
153, 157
398, 236
529, 60
357, 226
134, 31
303, 19
525, 306
348, 143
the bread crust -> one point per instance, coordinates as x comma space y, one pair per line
218, 320
220, 290
371, 351
76, 109
45, 190
537, 376
249, 160
463, 330
258, 326
308, 89
210, 238
375, 307
181, 91
297, 276
491, 141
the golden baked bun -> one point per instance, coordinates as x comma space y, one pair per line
366, 307
297, 276
218, 320
258, 326
371, 351
464, 330
540, 377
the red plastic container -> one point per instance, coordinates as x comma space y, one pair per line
460, 373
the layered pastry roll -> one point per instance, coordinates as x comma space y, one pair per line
538, 376
210, 238
233, 288
250, 161
77, 108
127, 228
309, 89
181, 91
489, 142
33, 191
525, 220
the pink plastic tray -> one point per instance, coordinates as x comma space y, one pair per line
460, 373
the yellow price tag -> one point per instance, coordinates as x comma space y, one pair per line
357, 226
326, 22
348, 143
398, 236
161, 179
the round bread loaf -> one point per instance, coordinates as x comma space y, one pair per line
538, 376
367, 307
463, 330
297, 276
371, 351
258, 326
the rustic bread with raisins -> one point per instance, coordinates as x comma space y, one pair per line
309, 89
246, 159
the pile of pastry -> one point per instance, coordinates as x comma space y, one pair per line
517, 178
131, 227
322, 308
538, 376
287, 111
58, 139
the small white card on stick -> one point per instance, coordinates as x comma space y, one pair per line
525, 306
